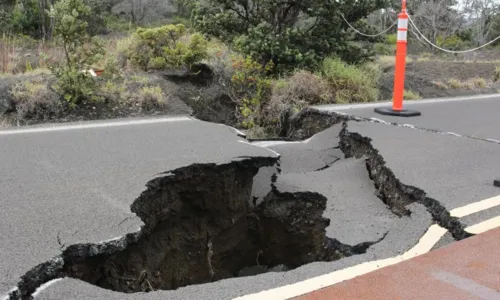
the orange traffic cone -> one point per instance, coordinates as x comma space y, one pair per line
399, 75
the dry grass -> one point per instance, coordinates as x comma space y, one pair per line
479, 82
35, 100
151, 98
472, 83
389, 60
455, 83
441, 85
496, 75
24, 55
410, 95
291, 95
386, 61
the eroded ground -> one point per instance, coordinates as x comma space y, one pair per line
220, 217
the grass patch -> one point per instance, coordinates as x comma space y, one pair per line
349, 83
35, 100
479, 82
455, 83
411, 95
441, 85
472, 83
151, 98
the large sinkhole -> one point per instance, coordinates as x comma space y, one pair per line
201, 226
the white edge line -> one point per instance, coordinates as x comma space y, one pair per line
93, 125
484, 226
270, 150
472, 208
44, 286
334, 107
425, 244
266, 144
7, 297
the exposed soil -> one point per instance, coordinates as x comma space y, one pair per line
192, 92
422, 76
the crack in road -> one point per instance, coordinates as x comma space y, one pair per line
394, 193
200, 215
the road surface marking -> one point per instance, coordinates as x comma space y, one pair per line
467, 285
475, 207
94, 125
484, 226
44, 286
424, 245
432, 236
334, 107
267, 144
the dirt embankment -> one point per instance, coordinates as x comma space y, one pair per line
184, 93
433, 79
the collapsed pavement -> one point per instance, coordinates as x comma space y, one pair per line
255, 212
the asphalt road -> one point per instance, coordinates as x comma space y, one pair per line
65, 185
470, 116
75, 184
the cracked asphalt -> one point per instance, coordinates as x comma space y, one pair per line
64, 187
74, 186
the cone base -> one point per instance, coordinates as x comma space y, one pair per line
496, 182
387, 111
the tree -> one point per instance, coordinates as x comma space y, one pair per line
484, 15
290, 33
140, 10
438, 20
25, 17
80, 50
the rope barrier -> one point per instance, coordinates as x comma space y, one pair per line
446, 50
367, 35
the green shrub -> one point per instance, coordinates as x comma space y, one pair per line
391, 39
35, 100
114, 92
384, 49
112, 70
25, 18
453, 42
158, 63
250, 88
151, 98
168, 46
117, 24
351, 83
80, 51
75, 85
496, 74
5, 21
